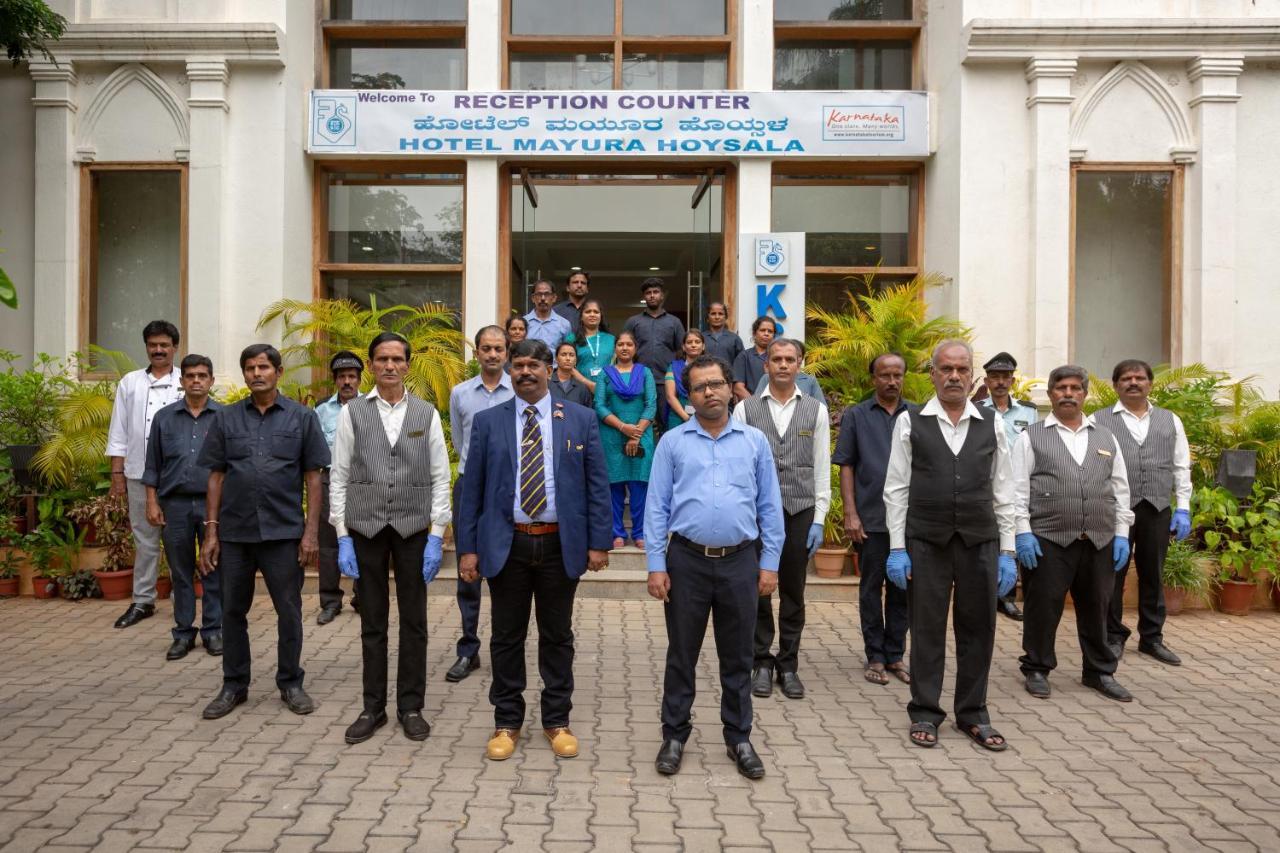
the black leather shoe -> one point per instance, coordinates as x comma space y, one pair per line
749, 764
762, 682
224, 703
1107, 686
1008, 608
135, 614
179, 649
297, 700
364, 726
1160, 652
1117, 649
415, 728
792, 687
1038, 685
213, 645
462, 667
328, 614
669, 757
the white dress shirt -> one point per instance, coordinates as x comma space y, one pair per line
1077, 442
547, 514
392, 417
782, 412
897, 482
139, 395
1140, 425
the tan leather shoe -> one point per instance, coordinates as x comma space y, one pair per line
502, 744
563, 743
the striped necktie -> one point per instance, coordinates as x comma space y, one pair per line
533, 487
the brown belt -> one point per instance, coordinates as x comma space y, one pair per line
538, 528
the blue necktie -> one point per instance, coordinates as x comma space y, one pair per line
533, 487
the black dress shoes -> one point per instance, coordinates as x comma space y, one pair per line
224, 703
364, 726
1160, 652
328, 614
669, 757
462, 667
1107, 686
749, 764
762, 682
1038, 685
1117, 649
297, 700
135, 614
213, 645
415, 728
179, 649
1008, 608
792, 687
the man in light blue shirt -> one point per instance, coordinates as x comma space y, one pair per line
714, 488
346, 368
543, 323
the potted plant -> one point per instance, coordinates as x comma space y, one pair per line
1183, 577
9, 567
1243, 537
28, 409
828, 562
109, 518
76, 584
52, 548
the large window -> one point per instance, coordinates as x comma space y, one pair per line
619, 44
845, 44
395, 44
134, 232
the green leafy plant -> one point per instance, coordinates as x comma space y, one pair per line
8, 290
29, 398
53, 549
76, 449
1243, 537
110, 519
79, 584
833, 525
26, 26
10, 565
1182, 570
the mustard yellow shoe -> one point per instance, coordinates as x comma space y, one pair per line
502, 744
563, 743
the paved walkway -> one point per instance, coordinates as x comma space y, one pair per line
102, 747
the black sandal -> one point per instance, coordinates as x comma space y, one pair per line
980, 734
928, 729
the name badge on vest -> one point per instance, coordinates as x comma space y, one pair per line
1021, 425
1106, 453
417, 433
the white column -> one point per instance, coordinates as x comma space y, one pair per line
1209, 328
755, 45
56, 296
483, 280
755, 215
207, 102
484, 45
1049, 101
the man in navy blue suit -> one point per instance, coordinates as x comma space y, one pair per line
535, 516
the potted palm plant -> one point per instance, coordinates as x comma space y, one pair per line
9, 567
1183, 577
1242, 537
109, 518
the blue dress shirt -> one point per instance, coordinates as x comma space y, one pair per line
714, 491
548, 513
550, 331
466, 400
328, 412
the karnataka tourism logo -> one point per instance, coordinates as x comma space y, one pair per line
863, 124
335, 121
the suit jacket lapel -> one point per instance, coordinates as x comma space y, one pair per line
557, 434
509, 412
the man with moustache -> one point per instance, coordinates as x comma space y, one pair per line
576, 287
535, 517
346, 368
719, 340
1157, 459
948, 498
544, 324
1073, 517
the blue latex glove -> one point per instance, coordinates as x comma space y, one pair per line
1120, 552
814, 539
431, 557
347, 558
898, 567
1028, 548
1008, 574
1180, 526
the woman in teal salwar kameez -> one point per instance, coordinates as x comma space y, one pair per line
626, 401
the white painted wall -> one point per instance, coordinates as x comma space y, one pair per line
17, 228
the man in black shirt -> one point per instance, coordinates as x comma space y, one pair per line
260, 450
575, 293
659, 336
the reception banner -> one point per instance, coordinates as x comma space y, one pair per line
635, 124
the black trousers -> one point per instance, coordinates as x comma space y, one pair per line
793, 566
727, 590
468, 596
935, 572
533, 578
183, 529
330, 577
374, 556
1149, 538
883, 614
1084, 571
239, 564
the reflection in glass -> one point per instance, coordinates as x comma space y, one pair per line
1123, 254
399, 10
674, 71
406, 224
842, 65
562, 17
832, 292
137, 261
842, 10
398, 65
848, 225
673, 17
444, 289
587, 71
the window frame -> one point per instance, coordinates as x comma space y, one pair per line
911, 29
335, 31
89, 250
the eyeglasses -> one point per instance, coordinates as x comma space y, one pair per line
713, 385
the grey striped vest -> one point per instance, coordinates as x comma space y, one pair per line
389, 485
1067, 499
951, 494
792, 452
1150, 464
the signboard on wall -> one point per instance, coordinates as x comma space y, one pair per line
634, 124
771, 282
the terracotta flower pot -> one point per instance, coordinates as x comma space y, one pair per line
1174, 599
164, 587
43, 587
8, 587
1275, 594
116, 586
1235, 597
829, 562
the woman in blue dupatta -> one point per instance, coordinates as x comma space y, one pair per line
677, 394
626, 402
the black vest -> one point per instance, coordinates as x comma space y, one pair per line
951, 494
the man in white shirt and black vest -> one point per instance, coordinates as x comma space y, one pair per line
389, 502
1073, 517
1158, 460
798, 429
